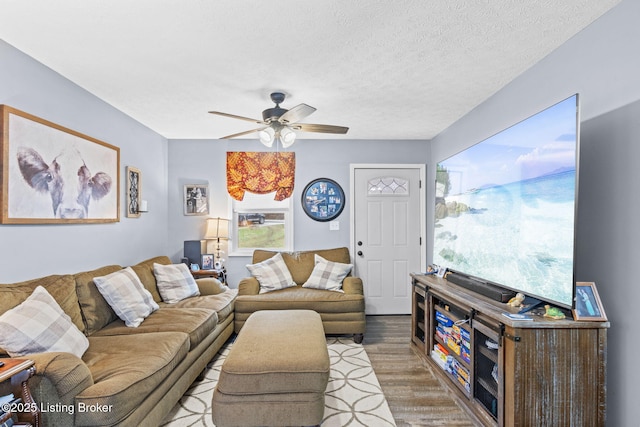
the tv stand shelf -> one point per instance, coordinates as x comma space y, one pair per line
516, 373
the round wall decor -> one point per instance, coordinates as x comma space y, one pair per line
323, 199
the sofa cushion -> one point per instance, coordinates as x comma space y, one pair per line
125, 370
144, 270
301, 298
38, 325
61, 287
210, 286
197, 323
300, 264
175, 282
327, 275
96, 312
222, 303
272, 274
126, 296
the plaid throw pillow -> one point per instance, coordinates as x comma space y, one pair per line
126, 295
327, 275
38, 325
175, 282
272, 274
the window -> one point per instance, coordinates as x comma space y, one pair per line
388, 185
259, 222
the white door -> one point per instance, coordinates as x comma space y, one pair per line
388, 216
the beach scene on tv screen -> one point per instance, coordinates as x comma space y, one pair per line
505, 208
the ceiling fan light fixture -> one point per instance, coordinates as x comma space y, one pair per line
287, 137
280, 123
267, 136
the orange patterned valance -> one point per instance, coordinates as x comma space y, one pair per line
260, 173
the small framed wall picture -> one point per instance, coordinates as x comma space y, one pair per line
134, 187
207, 262
196, 199
323, 199
587, 303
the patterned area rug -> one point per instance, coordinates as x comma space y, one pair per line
353, 396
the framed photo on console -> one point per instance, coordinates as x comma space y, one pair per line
588, 305
206, 262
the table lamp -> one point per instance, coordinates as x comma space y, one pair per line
217, 228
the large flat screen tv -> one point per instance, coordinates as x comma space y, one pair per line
506, 207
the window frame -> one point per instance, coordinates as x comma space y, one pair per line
264, 204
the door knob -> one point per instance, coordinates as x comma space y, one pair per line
359, 253
359, 242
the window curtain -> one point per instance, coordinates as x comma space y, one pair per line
260, 173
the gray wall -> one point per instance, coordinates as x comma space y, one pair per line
30, 251
608, 236
602, 64
204, 161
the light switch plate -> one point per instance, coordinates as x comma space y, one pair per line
334, 225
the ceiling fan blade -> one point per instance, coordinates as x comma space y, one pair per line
309, 127
296, 114
246, 132
233, 116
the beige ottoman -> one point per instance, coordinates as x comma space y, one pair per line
276, 372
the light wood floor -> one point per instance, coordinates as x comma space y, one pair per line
415, 396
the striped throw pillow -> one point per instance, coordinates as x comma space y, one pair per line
327, 275
38, 325
126, 295
272, 274
175, 282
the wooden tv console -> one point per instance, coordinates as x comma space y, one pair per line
540, 372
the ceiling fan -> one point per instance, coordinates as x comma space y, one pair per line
280, 123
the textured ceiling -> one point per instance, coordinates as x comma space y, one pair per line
387, 69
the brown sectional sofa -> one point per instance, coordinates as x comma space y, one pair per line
131, 376
341, 313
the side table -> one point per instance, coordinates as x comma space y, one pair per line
216, 274
204, 273
18, 372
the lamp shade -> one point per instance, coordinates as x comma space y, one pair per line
217, 228
287, 137
267, 136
